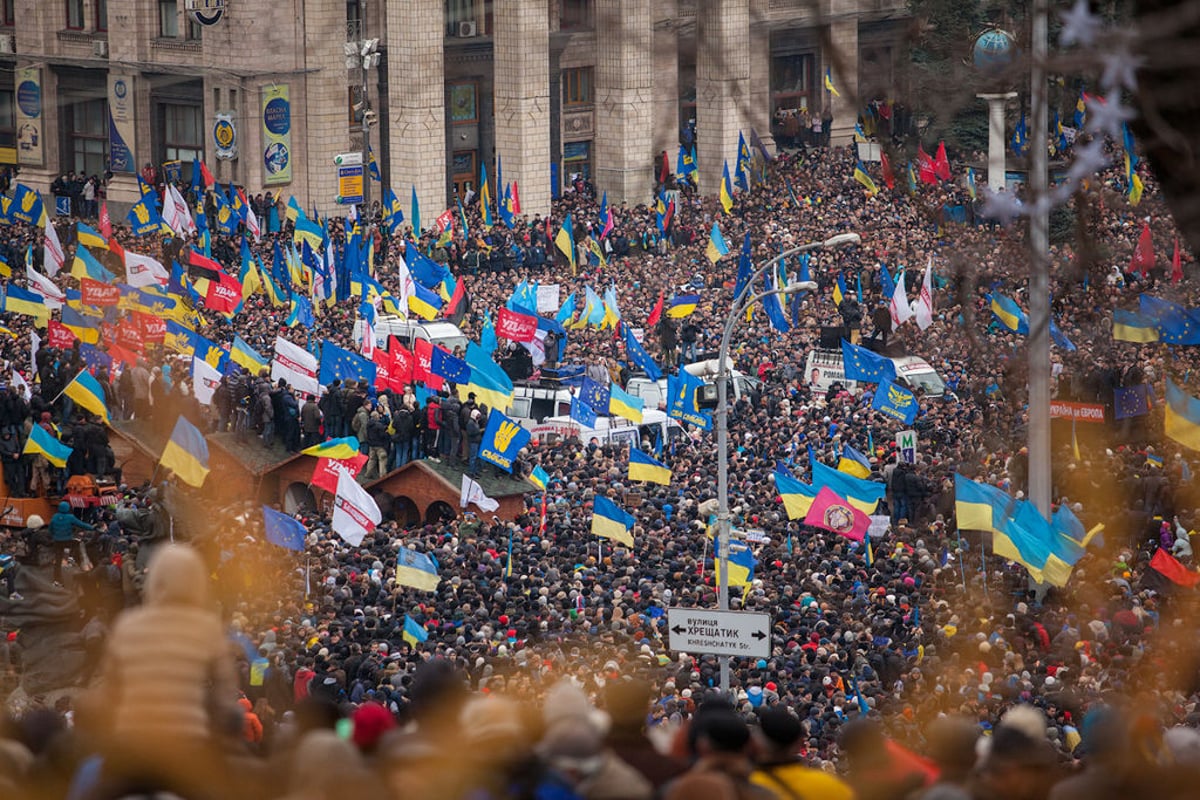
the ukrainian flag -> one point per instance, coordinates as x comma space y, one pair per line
645, 468
1130, 326
245, 356
625, 405
423, 302
417, 570
565, 240
41, 441
741, 565
186, 453
88, 394
717, 249
839, 290
860, 175
1009, 314
539, 478
488, 381
1182, 417
829, 83
178, 339
309, 231
85, 265
77, 324
854, 463
23, 301
610, 522
863, 495
726, 189
338, 449
976, 505
89, 237
293, 211
797, 496
683, 305
413, 632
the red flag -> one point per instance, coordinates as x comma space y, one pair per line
115, 248
1169, 567
666, 169
153, 329
886, 165
926, 169
402, 362
1176, 264
656, 312
95, 293
549, 232
422, 364
224, 294
1143, 255
206, 176
941, 164
325, 474
122, 356
197, 259
58, 335
516, 207
444, 220
516, 326
105, 222
383, 368
833, 513
460, 291
129, 335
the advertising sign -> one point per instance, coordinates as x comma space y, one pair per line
277, 135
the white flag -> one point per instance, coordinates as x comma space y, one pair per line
22, 384
35, 344
924, 305
205, 380
53, 256
901, 310
40, 284
176, 213
143, 271
355, 513
406, 287
367, 345
252, 223
472, 492
295, 365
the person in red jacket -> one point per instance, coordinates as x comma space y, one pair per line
252, 727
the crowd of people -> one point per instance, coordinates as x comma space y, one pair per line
234, 668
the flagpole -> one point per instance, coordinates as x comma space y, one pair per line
68, 383
962, 557
508, 567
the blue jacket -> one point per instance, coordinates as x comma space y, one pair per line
64, 523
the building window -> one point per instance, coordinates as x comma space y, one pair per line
577, 160
194, 29
168, 19
354, 20
8, 12
791, 81
460, 17
101, 15
8, 119
575, 15
88, 134
75, 15
577, 86
183, 133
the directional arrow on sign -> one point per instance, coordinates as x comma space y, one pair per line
678, 629
760, 635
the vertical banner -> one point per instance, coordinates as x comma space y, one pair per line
120, 124
277, 135
30, 128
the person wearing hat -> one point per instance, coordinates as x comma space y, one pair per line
722, 770
62, 536
780, 770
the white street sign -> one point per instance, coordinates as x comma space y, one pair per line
906, 443
723, 633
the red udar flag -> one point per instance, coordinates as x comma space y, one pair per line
1143, 255
224, 294
95, 293
153, 329
515, 326
105, 221
423, 363
58, 335
326, 474
402, 362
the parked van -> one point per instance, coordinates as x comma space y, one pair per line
532, 403
655, 426
447, 334
823, 368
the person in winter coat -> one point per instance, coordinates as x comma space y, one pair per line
167, 682
358, 425
474, 438
433, 420
310, 422
62, 535
402, 439
377, 447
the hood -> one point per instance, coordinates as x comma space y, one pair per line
64, 507
176, 577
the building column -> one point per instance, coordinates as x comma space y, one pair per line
521, 94
625, 160
843, 64
325, 131
760, 73
722, 85
666, 80
417, 107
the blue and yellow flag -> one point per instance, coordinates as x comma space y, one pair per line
741, 563
854, 463
829, 83
623, 404
89, 237
539, 477
423, 302
860, 175
488, 381
393, 213
42, 442
18, 300
1182, 416
716, 249
85, 265
186, 453
797, 496
246, 356
611, 522
413, 632
79, 325
416, 213
1130, 326
682, 305
88, 394
502, 441
643, 467
1009, 314
726, 194
418, 570
863, 495
895, 401
337, 449
565, 241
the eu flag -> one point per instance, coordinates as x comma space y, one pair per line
1131, 401
594, 394
863, 365
1176, 324
338, 364
448, 366
639, 356
582, 413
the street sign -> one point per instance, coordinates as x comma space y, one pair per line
906, 443
350, 185
348, 159
724, 633
62, 206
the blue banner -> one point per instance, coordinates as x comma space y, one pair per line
896, 402
502, 440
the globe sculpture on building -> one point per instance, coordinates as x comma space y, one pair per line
993, 50
992, 54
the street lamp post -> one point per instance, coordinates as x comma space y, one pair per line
740, 302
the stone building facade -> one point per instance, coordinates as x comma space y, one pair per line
545, 90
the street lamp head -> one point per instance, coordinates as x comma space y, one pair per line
799, 286
842, 239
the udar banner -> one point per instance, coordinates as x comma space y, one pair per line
277, 134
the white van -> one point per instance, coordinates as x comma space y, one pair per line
531, 403
654, 393
823, 368
447, 334
655, 426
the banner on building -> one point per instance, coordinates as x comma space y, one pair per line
224, 135
277, 135
1080, 412
121, 129
31, 148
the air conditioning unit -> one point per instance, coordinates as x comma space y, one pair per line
8, 43
100, 48
467, 30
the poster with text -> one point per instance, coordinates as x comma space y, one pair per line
277, 135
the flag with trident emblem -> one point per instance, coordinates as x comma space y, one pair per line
502, 440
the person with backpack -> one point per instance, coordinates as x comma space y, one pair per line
782, 771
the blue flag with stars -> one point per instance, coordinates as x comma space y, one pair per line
338, 364
1131, 401
863, 365
448, 366
594, 394
582, 413
1176, 324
